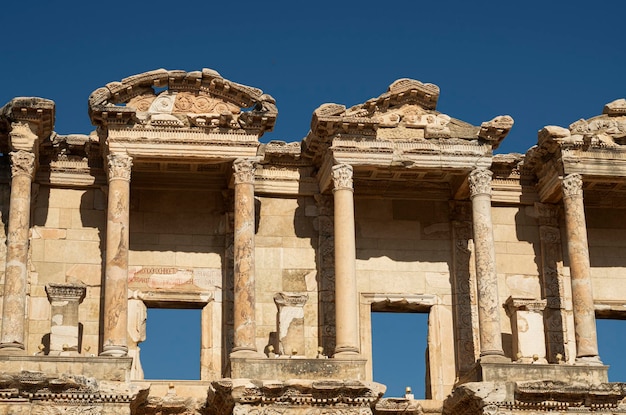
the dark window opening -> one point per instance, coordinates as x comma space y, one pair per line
172, 346
399, 352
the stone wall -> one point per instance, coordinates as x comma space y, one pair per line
66, 247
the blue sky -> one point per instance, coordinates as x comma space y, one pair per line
542, 62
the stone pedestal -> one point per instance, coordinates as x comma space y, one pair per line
64, 330
529, 344
346, 298
291, 322
580, 270
16, 274
244, 284
115, 342
487, 281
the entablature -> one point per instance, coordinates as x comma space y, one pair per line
594, 148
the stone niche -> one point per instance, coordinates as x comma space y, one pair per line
529, 345
64, 326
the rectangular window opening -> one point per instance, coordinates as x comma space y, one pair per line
611, 340
171, 350
399, 352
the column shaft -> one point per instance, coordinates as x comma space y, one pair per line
580, 268
244, 282
346, 299
486, 278
16, 275
115, 342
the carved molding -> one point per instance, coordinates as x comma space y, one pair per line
70, 292
291, 299
22, 137
22, 163
480, 182
572, 185
119, 166
342, 177
244, 170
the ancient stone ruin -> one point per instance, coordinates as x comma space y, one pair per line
287, 249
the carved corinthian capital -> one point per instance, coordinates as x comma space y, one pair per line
120, 166
480, 182
22, 163
342, 176
244, 171
572, 185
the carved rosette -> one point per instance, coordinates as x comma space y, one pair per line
480, 182
119, 166
342, 177
22, 163
244, 171
572, 185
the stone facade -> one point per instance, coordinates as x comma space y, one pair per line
287, 248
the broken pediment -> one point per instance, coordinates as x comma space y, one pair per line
405, 112
182, 99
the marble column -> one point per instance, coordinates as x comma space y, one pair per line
16, 275
115, 341
486, 278
346, 299
580, 270
244, 319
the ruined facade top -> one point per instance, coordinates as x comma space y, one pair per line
288, 248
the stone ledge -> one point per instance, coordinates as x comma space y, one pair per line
102, 368
286, 368
522, 372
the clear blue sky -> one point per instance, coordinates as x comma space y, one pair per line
542, 62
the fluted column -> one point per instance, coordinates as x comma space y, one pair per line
16, 274
580, 269
486, 278
244, 285
346, 299
115, 342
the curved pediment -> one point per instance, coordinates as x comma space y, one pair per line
199, 99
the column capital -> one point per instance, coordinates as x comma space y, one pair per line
22, 163
244, 170
120, 165
22, 136
480, 182
342, 177
572, 185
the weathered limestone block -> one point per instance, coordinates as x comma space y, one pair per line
64, 329
526, 314
291, 322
